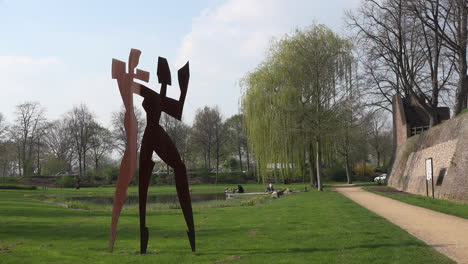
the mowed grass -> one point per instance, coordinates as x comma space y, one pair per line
459, 209
308, 227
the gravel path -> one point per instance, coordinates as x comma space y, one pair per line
447, 234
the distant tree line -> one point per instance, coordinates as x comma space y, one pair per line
77, 144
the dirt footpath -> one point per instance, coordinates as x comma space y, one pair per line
447, 234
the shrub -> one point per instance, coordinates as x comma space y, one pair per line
67, 181
364, 172
247, 203
110, 173
17, 187
336, 173
235, 177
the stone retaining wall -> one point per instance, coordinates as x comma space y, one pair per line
447, 145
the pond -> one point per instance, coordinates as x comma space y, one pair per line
152, 198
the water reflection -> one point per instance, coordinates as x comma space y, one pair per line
155, 198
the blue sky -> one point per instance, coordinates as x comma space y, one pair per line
59, 53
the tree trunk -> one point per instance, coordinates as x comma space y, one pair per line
240, 158
78, 177
378, 158
319, 166
209, 158
462, 94
462, 88
313, 183
348, 174
38, 160
84, 163
248, 159
96, 161
217, 165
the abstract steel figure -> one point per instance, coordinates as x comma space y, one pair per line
154, 139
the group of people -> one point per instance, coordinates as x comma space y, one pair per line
239, 189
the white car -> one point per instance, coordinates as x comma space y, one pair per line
380, 178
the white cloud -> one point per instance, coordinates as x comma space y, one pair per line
231, 38
56, 86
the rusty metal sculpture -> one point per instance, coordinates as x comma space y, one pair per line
154, 139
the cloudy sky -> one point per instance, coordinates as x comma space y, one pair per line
59, 53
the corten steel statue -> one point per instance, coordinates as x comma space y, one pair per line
154, 139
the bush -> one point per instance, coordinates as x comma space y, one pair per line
364, 172
247, 203
17, 187
201, 173
67, 181
235, 177
336, 173
110, 173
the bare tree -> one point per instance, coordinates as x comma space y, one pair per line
8, 164
203, 133
220, 138
178, 131
58, 138
447, 22
118, 129
3, 126
25, 132
80, 123
7, 151
237, 135
100, 144
377, 134
400, 56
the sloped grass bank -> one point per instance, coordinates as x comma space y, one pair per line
309, 227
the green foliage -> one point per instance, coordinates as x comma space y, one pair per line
336, 173
288, 98
364, 172
231, 164
247, 203
110, 173
235, 177
52, 165
10, 180
201, 173
67, 181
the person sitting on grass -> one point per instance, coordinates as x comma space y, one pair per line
240, 189
270, 188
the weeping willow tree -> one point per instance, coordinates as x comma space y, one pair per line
291, 101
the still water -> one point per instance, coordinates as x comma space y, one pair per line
152, 198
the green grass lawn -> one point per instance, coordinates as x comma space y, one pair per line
444, 206
308, 227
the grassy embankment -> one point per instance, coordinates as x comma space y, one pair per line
444, 206
308, 227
